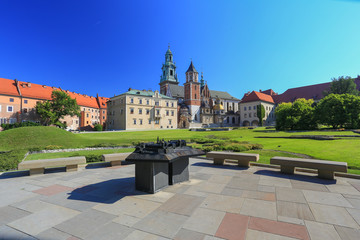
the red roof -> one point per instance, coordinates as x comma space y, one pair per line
43, 92
257, 96
308, 92
8, 87
102, 101
269, 92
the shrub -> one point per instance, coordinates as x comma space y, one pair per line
93, 158
53, 147
17, 125
10, 160
98, 127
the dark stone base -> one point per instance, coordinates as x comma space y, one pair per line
151, 176
179, 171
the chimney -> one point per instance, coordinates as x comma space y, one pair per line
129, 89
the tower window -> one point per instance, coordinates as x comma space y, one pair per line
171, 72
164, 73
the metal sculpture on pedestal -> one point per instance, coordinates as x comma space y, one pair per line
160, 164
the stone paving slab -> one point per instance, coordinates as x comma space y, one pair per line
165, 224
219, 202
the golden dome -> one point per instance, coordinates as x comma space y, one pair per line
218, 106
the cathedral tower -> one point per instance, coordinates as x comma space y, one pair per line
169, 75
192, 93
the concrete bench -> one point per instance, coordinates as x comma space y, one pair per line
242, 158
38, 166
325, 168
115, 158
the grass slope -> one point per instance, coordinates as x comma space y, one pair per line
346, 150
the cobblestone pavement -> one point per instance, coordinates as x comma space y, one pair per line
219, 202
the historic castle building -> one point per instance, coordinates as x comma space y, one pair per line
269, 99
141, 109
197, 104
18, 100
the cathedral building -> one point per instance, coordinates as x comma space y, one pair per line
197, 105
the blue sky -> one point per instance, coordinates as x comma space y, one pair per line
105, 47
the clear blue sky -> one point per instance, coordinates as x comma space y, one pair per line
108, 46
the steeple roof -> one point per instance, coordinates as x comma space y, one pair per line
191, 68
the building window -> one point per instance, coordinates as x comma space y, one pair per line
167, 104
140, 110
134, 121
103, 117
149, 121
156, 121
254, 114
103, 111
156, 103
87, 115
25, 110
172, 104
245, 115
140, 121
131, 100
195, 95
249, 115
172, 113
11, 100
254, 107
121, 111
147, 102
131, 111
244, 108
157, 112
171, 71
169, 121
12, 120
140, 101
92, 110
147, 111
167, 112
25, 101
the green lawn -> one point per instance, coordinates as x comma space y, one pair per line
347, 150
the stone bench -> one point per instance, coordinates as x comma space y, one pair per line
115, 158
242, 158
38, 166
325, 168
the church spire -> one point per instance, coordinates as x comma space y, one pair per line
169, 68
202, 80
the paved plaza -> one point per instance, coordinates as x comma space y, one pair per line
219, 202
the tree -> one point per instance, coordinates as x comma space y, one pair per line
331, 111
352, 108
260, 111
60, 105
298, 115
282, 111
343, 85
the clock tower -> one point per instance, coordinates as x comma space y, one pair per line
169, 75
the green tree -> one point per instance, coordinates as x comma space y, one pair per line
343, 85
298, 115
260, 111
352, 109
331, 111
60, 105
282, 112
